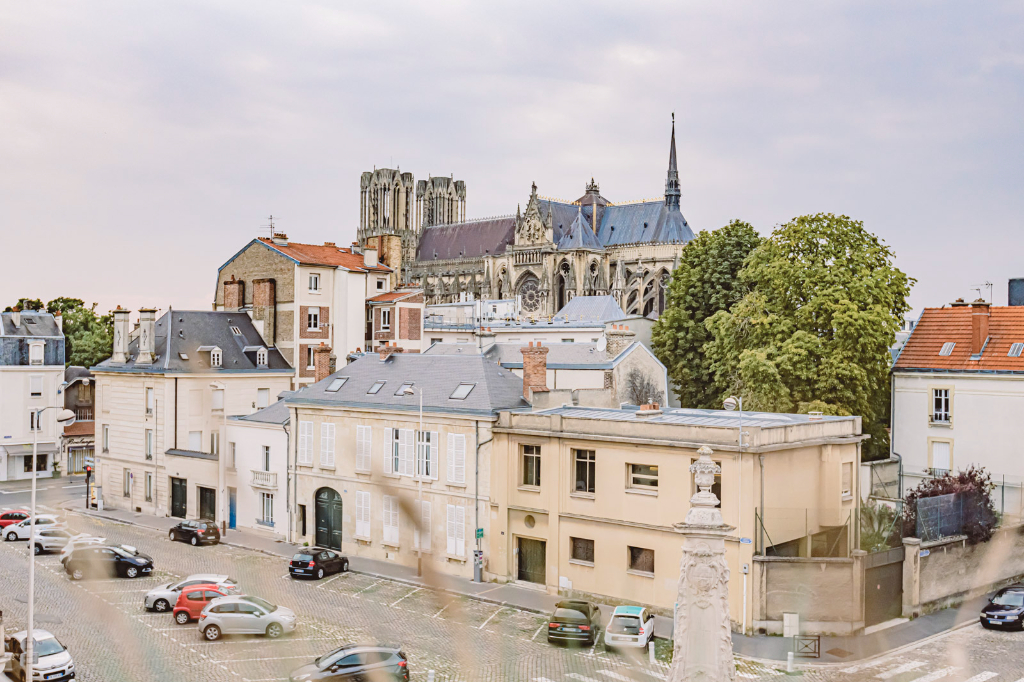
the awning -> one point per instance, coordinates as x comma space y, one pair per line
42, 449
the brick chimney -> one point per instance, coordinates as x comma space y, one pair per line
617, 338
321, 362
387, 351
535, 369
121, 333
979, 325
234, 294
147, 340
264, 308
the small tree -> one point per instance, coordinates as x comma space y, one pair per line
974, 486
879, 527
642, 388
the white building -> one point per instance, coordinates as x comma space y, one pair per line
258, 469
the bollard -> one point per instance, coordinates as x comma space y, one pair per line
650, 651
789, 662
430, 676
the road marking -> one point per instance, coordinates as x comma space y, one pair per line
340, 575
541, 679
262, 642
937, 675
893, 672
246, 660
542, 626
489, 618
438, 614
377, 582
981, 677
67, 487
407, 595
660, 676
865, 666
583, 678
614, 675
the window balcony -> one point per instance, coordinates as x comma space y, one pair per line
264, 479
83, 414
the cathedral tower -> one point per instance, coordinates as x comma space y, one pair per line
440, 201
386, 218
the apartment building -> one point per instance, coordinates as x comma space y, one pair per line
162, 403
397, 319
79, 443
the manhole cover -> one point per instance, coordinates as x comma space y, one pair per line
839, 653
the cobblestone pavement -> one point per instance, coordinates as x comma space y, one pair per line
113, 638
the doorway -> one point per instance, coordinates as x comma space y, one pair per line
883, 586
232, 507
302, 520
179, 497
207, 503
328, 518
532, 560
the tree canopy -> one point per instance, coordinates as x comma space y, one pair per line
88, 337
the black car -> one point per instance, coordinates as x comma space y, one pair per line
354, 662
106, 560
574, 621
1005, 609
196, 533
316, 563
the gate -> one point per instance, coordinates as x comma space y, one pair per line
208, 504
532, 561
328, 518
883, 586
179, 497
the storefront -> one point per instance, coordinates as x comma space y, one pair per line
16, 460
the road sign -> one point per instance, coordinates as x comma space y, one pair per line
479, 532
745, 541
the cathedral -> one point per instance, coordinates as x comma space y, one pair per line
546, 254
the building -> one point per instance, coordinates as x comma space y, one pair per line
257, 469
365, 470
31, 373
397, 319
79, 443
958, 391
585, 499
302, 295
162, 403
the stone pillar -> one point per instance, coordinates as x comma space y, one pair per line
703, 633
147, 336
120, 335
321, 362
911, 577
234, 294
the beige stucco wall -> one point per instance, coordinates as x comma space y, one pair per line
827, 594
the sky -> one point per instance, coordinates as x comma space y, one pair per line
144, 144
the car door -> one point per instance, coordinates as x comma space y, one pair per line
648, 621
227, 617
107, 561
250, 618
332, 561
350, 668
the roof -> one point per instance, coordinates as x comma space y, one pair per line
690, 417
323, 254
470, 239
276, 413
579, 235
510, 355
635, 223
601, 309
938, 326
393, 296
75, 372
34, 323
437, 375
192, 329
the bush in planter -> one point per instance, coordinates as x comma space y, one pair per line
974, 486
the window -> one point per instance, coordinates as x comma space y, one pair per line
314, 283
385, 318
582, 550
716, 487
391, 520
150, 400
35, 386
215, 357
305, 455
426, 454
362, 514
456, 530
265, 449
1015, 350
947, 348
327, 445
40, 464
262, 398
106, 438
195, 441
462, 392
34, 420
336, 385
35, 354
309, 358
377, 385
457, 458
127, 483
641, 560
218, 399
380, 284
421, 536
642, 476
215, 442
363, 445
313, 318
401, 389
149, 443
233, 452
267, 508
940, 405
847, 480
586, 462
433, 341
941, 457
236, 331
261, 357
531, 465
149, 486
567, 340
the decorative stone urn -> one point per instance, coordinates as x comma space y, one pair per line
703, 636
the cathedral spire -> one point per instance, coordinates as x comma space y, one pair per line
672, 192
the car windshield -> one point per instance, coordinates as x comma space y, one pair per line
1009, 599
128, 549
122, 552
261, 603
625, 625
330, 656
302, 557
570, 614
48, 647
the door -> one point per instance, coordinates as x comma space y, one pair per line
207, 503
248, 620
232, 505
883, 586
302, 520
532, 562
328, 518
179, 497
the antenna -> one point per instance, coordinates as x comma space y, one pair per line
978, 288
270, 226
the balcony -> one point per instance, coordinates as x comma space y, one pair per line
264, 479
83, 414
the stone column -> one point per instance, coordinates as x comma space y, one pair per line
703, 634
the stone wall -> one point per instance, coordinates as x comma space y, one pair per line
323, 331
827, 594
411, 320
257, 261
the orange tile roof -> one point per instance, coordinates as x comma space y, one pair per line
941, 325
393, 296
324, 254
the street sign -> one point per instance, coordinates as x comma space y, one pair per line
745, 541
479, 533
925, 552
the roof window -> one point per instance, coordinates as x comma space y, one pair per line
462, 392
183, 356
215, 357
236, 331
401, 389
947, 348
337, 384
1015, 350
377, 385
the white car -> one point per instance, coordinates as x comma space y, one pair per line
245, 616
631, 627
21, 530
53, 661
50, 539
80, 540
164, 597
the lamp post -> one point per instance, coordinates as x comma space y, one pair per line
419, 480
66, 418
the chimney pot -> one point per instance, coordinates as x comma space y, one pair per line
980, 312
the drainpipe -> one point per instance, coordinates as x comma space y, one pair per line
294, 465
478, 563
288, 480
761, 460
175, 413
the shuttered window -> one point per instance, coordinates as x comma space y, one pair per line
364, 442
327, 445
456, 458
391, 520
406, 452
456, 530
305, 443
362, 514
423, 528
426, 454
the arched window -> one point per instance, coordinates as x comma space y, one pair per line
215, 357
261, 357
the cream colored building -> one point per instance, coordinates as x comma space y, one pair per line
585, 499
162, 400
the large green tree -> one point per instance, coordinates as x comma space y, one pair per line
88, 337
704, 283
813, 332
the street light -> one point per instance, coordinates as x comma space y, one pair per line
408, 390
65, 417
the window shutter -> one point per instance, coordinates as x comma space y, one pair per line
433, 455
452, 529
406, 452
391, 519
363, 444
327, 445
389, 444
451, 457
460, 458
460, 538
305, 442
363, 514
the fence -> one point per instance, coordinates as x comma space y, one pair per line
941, 516
804, 532
1007, 495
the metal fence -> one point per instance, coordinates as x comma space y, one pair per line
941, 516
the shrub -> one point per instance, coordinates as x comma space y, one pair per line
974, 486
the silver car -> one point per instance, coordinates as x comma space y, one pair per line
80, 540
245, 616
165, 596
50, 540
52, 660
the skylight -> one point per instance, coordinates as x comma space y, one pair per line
376, 387
337, 384
947, 348
236, 331
183, 356
462, 392
401, 389
1015, 350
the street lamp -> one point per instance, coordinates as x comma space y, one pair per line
65, 417
408, 390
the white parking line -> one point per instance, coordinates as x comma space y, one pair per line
542, 625
489, 618
377, 582
582, 678
407, 595
340, 575
246, 660
981, 677
438, 614
937, 675
893, 672
865, 666
614, 675
541, 679
263, 643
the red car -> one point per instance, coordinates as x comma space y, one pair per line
13, 516
193, 600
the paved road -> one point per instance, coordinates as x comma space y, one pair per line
51, 493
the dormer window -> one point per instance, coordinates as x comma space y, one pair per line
261, 357
462, 391
35, 353
337, 384
377, 385
216, 357
947, 348
236, 331
381, 283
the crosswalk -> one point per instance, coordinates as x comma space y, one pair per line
637, 675
888, 669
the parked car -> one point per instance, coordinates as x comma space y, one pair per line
193, 599
245, 615
105, 560
80, 540
53, 661
316, 563
50, 539
195, 533
21, 530
355, 662
574, 621
1005, 609
13, 516
163, 597
630, 627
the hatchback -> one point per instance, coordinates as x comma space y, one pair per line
1005, 609
574, 621
630, 627
354, 662
316, 563
195, 533
245, 616
193, 600
21, 530
163, 597
53, 661
50, 540
80, 540
104, 560
13, 516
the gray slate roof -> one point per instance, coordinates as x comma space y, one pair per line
33, 324
276, 413
190, 329
510, 355
691, 417
579, 235
470, 239
437, 375
601, 309
639, 223
75, 372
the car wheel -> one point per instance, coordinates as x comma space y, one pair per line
274, 630
131, 572
38, 549
12, 536
171, 536
344, 567
181, 617
212, 632
319, 573
194, 541
77, 574
161, 605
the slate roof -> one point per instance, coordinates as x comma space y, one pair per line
579, 235
471, 239
276, 413
437, 375
510, 355
33, 324
75, 372
322, 254
691, 417
937, 326
601, 309
639, 223
190, 329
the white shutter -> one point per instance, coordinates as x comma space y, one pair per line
389, 445
362, 514
305, 442
363, 444
460, 531
457, 458
391, 519
451, 529
406, 452
450, 456
327, 445
423, 529
433, 454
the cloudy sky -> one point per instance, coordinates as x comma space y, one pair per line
143, 144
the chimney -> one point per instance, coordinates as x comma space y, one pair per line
979, 326
535, 369
280, 238
147, 342
617, 337
264, 308
321, 362
16, 316
59, 321
234, 294
370, 257
387, 351
120, 335
1016, 291
648, 410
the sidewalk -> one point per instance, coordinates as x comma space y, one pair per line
833, 649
